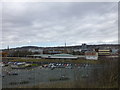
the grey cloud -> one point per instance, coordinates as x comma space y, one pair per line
57, 22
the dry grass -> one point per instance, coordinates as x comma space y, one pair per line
56, 60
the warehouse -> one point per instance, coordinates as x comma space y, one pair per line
91, 55
55, 56
104, 52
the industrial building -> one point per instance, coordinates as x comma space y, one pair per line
91, 55
55, 56
104, 52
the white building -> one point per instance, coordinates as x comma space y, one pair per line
36, 50
77, 50
91, 55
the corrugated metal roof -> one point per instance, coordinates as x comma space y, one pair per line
63, 55
52, 55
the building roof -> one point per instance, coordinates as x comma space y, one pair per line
91, 53
61, 55
104, 50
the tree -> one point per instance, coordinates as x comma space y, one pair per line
21, 53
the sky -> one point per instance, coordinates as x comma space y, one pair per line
54, 23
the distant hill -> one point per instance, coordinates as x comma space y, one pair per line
73, 47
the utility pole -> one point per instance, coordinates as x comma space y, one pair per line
65, 50
65, 43
8, 47
8, 51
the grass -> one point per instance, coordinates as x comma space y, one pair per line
34, 65
58, 61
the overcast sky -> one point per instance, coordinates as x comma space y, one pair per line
53, 24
